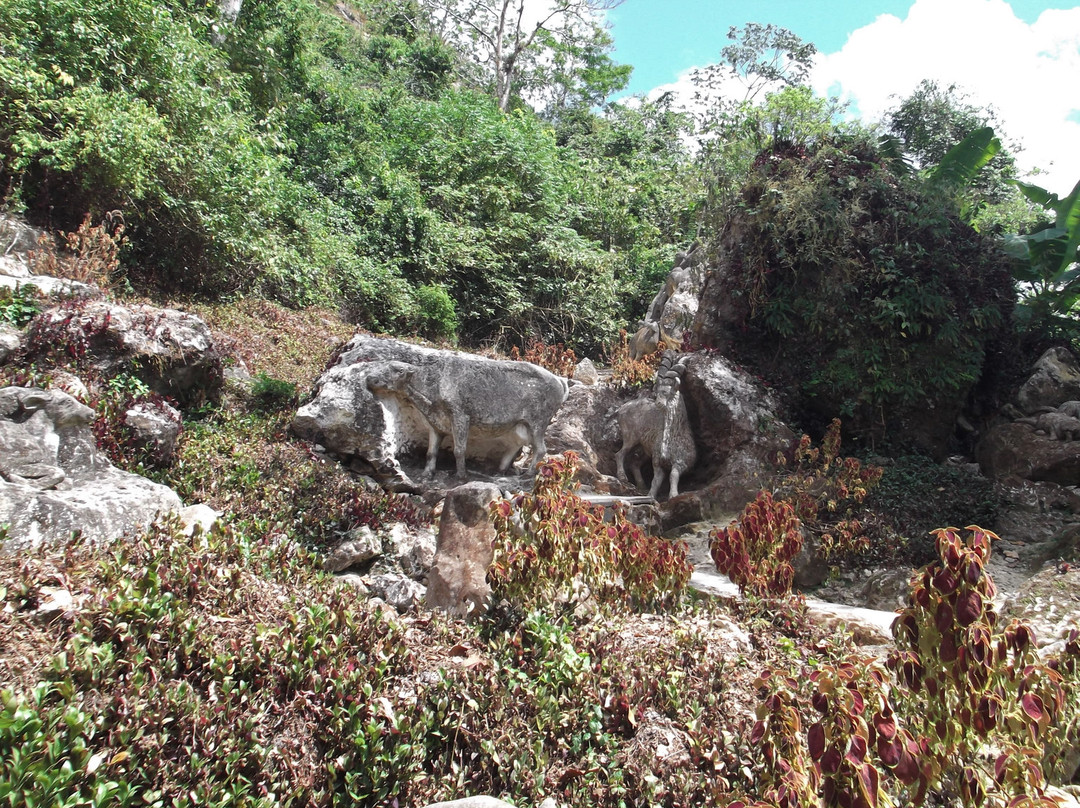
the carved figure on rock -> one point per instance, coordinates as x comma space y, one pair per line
1057, 425
660, 426
29, 421
496, 398
1070, 408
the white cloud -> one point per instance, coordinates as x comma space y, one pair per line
1029, 73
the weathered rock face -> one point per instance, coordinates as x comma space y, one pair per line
675, 307
1016, 449
383, 398
738, 431
583, 425
53, 481
1055, 379
171, 351
155, 427
10, 340
586, 373
457, 582
1049, 604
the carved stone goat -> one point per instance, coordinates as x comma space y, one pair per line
660, 426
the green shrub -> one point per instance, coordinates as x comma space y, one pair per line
916, 495
437, 317
272, 394
862, 292
18, 307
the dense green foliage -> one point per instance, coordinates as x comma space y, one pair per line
931, 121
318, 160
863, 295
916, 495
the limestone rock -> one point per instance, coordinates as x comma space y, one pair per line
53, 481
1048, 602
15, 274
403, 593
69, 383
738, 430
10, 340
17, 237
1015, 449
199, 518
370, 403
583, 425
586, 372
411, 549
155, 427
169, 350
1054, 379
361, 545
457, 582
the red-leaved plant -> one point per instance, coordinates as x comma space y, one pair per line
554, 547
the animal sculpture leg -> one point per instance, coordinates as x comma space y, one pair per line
620, 459
434, 439
461, 441
539, 448
674, 481
657, 477
508, 458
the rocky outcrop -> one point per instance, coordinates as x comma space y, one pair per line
584, 425
10, 341
736, 423
457, 582
54, 482
674, 308
155, 428
170, 351
1049, 604
1017, 449
383, 398
1054, 379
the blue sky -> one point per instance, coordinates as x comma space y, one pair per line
1021, 56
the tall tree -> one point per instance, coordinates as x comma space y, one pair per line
760, 57
517, 42
931, 121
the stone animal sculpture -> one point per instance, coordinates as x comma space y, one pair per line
32, 426
659, 425
496, 398
1056, 424
1070, 408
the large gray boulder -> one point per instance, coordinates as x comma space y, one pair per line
1054, 379
584, 425
54, 482
1018, 449
383, 398
171, 351
739, 432
10, 341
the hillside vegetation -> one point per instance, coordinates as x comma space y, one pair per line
313, 167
